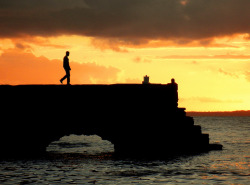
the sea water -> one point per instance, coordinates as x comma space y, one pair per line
229, 166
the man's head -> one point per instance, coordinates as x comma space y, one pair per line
67, 53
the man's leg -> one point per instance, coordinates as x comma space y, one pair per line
68, 77
63, 78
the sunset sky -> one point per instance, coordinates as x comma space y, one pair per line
203, 44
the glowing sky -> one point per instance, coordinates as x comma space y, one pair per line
204, 45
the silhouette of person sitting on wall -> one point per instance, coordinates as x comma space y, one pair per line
66, 68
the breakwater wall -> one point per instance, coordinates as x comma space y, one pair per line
138, 119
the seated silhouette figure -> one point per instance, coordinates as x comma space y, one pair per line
66, 68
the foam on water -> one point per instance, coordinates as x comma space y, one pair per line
81, 144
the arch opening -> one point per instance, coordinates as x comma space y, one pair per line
81, 144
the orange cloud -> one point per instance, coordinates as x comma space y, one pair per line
19, 67
141, 60
228, 56
209, 100
228, 73
247, 74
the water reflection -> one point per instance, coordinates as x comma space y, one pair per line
229, 166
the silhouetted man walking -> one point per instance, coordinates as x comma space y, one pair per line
66, 68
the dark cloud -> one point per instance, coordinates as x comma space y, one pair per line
22, 46
127, 20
